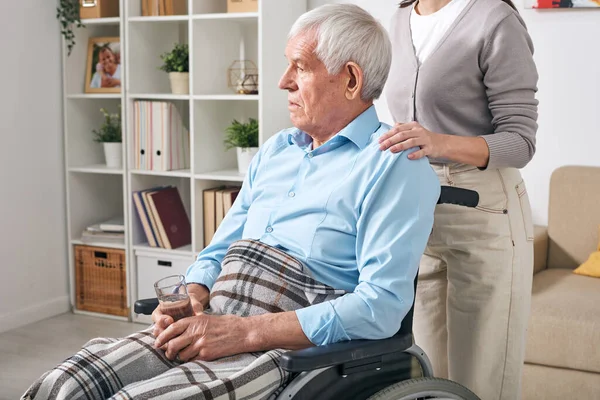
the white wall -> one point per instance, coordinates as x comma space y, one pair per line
568, 57
33, 260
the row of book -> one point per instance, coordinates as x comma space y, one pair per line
217, 202
161, 141
111, 231
165, 222
164, 7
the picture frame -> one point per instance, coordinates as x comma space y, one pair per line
103, 66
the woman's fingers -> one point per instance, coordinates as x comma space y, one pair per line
407, 144
397, 135
417, 154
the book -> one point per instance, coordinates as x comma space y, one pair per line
172, 220
102, 237
144, 217
229, 196
219, 214
152, 217
113, 225
209, 201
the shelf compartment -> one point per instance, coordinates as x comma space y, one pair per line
182, 251
240, 97
76, 63
135, 11
200, 185
211, 119
101, 21
182, 173
98, 244
159, 96
142, 182
159, 18
93, 198
97, 169
146, 44
82, 118
227, 175
243, 17
91, 96
222, 37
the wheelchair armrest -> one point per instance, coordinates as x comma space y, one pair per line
145, 306
342, 353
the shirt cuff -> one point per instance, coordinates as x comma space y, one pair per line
205, 274
321, 324
507, 149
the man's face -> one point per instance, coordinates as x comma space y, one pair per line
315, 97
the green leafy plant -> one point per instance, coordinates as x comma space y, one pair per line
241, 134
67, 14
176, 60
110, 131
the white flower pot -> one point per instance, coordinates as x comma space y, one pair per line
113, 154
244, 157
180, 82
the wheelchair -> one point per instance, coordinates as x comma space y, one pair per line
366, 369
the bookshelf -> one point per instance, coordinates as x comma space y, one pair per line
96, 192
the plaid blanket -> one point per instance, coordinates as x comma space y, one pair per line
255, 279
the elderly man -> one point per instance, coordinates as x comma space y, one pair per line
322, 244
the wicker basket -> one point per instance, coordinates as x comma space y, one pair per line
100, 280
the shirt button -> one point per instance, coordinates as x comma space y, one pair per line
310, 155
269, 229
291, 194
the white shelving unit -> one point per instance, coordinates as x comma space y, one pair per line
95, 192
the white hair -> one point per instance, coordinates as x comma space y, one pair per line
344, 33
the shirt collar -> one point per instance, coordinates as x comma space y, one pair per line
358, 131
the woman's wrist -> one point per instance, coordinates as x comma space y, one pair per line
466, 150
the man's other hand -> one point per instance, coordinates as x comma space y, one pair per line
205, 337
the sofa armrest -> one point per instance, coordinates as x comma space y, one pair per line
540, 248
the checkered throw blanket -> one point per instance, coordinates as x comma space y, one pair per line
255, 279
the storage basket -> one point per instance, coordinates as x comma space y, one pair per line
100, 279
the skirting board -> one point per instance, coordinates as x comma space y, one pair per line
34, 313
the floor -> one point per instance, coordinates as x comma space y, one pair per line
28, 352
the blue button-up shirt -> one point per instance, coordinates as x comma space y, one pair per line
357, 217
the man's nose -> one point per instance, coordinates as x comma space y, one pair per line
286, 82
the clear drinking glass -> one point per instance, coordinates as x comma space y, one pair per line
173, 297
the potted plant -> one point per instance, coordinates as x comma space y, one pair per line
109, 135
67, 13
244, 137
177, 64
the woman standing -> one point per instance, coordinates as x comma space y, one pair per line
462, 87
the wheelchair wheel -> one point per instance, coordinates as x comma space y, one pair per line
432, 388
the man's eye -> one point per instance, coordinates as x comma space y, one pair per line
299, 68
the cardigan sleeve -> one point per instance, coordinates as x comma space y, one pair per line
510, 78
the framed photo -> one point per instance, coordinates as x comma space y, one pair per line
103, 74
562, 4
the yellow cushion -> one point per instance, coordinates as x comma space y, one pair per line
592, 266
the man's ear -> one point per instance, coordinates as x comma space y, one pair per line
355, 80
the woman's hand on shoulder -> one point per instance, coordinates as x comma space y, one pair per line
405, 136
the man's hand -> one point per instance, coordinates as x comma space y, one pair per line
205, 337
199, 296
208, 337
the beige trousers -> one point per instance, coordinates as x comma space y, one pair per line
474, 290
